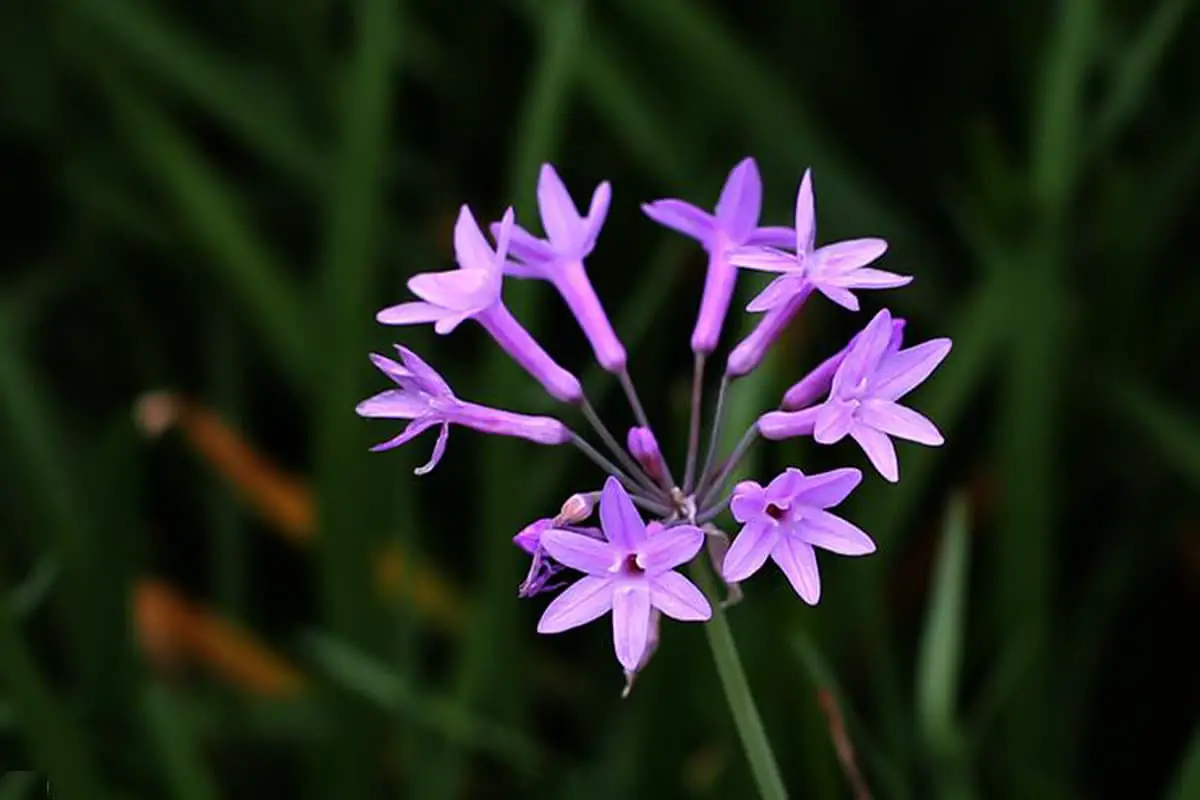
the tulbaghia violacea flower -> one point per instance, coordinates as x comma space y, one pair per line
815, 385
833, 270
629, 563
559, 259
874, 374
473, 292
422, 397
629, 573
786, 520
734, 224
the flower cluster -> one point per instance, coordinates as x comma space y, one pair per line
626, 565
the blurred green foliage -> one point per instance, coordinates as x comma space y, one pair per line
216, 200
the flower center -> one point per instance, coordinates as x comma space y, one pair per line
630, 566
775, 512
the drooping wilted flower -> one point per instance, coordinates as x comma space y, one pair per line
628, 566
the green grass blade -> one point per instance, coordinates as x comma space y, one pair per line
348, 482
1137, 69
183, 769
164, 52
55, 740
211, 210
1187, 781
386, 690
772, 121
486, 673
1173, 433
1058, 110
940, 656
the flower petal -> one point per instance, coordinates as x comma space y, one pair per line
457, 290
799, 563
900, 373
413, 313
764, 259
597, 213
393, 404
833, 422
748, 502
439, 449
471, 250
842, 257
580, 603
832, 533
678, 598
836, 294
749, 551
424, 373
669, 547
879, 450
778, 292
740, 202
864, 356
631, 623
900, 421
683, 217
827, 489
411, 431
560, 217
448, 323
621, 521
773, 236
524, 246
783, 488
867, 278
806, 215
579, 552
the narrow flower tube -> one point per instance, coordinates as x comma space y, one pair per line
424, 399
559, 259
513, 339
644, 448
750, 352
734, 224
473, 292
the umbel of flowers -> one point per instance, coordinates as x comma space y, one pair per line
599, 552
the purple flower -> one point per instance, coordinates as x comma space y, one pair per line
424, 398
749, 352
559, 259
786, 520
542, 568
734, 224
644, 449
862, 400
473, 292
815, 385
833, 270
630, 573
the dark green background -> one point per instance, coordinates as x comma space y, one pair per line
216, 198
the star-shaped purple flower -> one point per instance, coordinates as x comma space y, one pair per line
424, 398
630, 573
734, 224
785, 522
473, 292
833, 270
874, 374
559, 259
